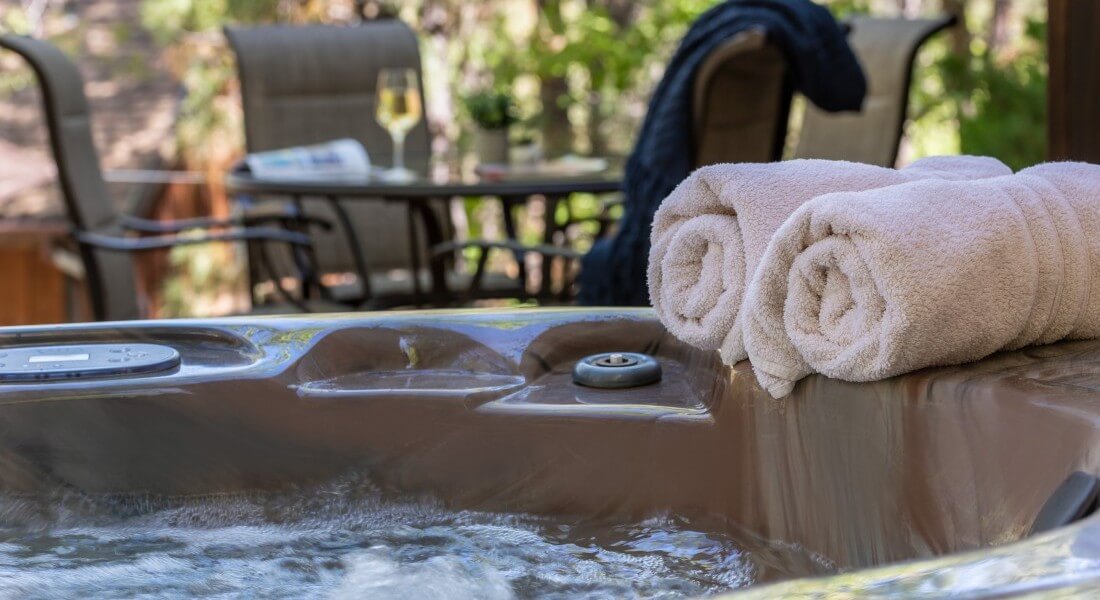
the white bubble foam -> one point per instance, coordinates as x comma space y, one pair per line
348, 540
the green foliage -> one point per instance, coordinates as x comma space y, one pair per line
15, 79
1008, 118
579, 69
208, 130
169, 19
986, 102
846, 8
202, 275
491, 109
15, 20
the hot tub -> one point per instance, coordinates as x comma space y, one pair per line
925, 483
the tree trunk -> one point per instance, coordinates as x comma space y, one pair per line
957, 73
999, 27
35, 13
960, 34
623, 13
557, 131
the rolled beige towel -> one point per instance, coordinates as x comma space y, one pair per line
709, 234
864, 286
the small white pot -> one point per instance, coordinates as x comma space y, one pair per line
491, 146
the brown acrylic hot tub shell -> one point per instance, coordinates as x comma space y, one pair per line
479, 409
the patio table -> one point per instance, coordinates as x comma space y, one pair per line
420, 194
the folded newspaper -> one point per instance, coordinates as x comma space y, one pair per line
344, 159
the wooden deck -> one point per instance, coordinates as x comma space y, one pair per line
32, 288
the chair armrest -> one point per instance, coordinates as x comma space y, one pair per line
519, 249
544, 249
137, 244
252, 216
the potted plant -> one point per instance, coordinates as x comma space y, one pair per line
493, 112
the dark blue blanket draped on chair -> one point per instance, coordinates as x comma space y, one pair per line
823, 68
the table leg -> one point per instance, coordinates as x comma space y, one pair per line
565, 293
433, 230
508, 204
414, 255
305, 260
550, 230
352, 238
252, 252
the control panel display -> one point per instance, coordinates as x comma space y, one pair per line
41, 358
35, 363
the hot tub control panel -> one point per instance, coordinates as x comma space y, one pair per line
35, 363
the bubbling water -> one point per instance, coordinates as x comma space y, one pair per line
348, 539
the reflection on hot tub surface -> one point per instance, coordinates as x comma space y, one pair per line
478, 410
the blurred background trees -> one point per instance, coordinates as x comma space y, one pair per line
981, 89
582, 70
580, 73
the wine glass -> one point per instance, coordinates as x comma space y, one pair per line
398, 111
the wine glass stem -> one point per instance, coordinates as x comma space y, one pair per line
398, 151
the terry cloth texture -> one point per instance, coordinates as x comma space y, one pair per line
823, 68
709, 234
867, 285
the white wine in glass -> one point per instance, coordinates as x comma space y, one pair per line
398, 111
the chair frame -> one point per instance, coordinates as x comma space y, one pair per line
310, 283
935, 26
941, 23
117, 236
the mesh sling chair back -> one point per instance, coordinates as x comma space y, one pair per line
103, 234
741, 102
308, 84
887, 49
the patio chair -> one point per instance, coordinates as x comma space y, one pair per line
307, 84
105, 236
886, 48
740, 106
741, 102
